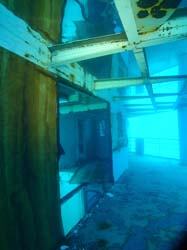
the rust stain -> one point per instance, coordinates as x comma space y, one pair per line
148, 32
27, 55
73, 65
71, 77
32, 58
29, 29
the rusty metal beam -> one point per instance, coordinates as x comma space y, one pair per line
19, 38
126, 15
171, 30
86, 49
125, 82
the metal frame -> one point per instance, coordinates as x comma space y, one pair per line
61, 60
19, 38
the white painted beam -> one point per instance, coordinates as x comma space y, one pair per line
174, 29
141, 61
126, 15
87, 49
19, 38
117, 83
127, 18
125, 82
135, 110
137, 105
127, 98
66, 109
165, 79
125, 12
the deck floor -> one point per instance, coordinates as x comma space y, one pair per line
146, 210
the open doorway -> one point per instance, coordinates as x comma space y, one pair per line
85, 158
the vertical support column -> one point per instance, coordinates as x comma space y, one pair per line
182, 123
29, 188
182, 115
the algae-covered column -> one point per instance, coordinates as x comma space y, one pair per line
29, 192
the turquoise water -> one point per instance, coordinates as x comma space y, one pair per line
159, 134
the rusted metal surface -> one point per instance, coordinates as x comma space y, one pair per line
151, 14
87, 49
172, 30
33, 47
19, 38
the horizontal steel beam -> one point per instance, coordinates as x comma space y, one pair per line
117, 83
19, 38
125, 82
147, 109
136, 105
126, 14
86, 49
144, 113
143, 105
126, 98
164, 79
171, 30
66, 109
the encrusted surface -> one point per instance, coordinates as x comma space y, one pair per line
148, 210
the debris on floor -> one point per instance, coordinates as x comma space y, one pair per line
151, 214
